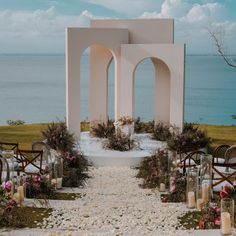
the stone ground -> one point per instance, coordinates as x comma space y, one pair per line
112, 204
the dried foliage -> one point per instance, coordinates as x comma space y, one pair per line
119, 142
103, 130
152, 168
75, 168
143, 127
58, 137
39, 187
75, 165
161, 132
179, 193
190, 139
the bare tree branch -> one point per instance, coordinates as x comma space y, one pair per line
220, 48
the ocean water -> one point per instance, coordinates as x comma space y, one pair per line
32, 88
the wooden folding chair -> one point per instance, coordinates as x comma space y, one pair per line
10, 146
225, 171
42, 146
32, 161
219, 153
192, 159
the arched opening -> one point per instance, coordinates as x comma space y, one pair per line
97, 84
144, 82
111, 90
151, 96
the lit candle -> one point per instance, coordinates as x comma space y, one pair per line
162, 187
226, 226
59, 183
200, 204
20, 191
205, 192
191, 199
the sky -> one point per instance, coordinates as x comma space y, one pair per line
38, 26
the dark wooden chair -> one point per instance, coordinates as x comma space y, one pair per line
225, 171
31, 161
219, 153
191, 159
42, 146
10, 146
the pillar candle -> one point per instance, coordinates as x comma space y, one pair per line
59, 183
191, 199
205, 192
20, 191
162, 187
54, 183
200, 204
226, 226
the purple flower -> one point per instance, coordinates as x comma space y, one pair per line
7, 186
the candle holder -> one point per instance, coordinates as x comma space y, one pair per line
172, 170
206, 178
163, 183
57, 173
227, 216
192, 183
199, 201
8, 156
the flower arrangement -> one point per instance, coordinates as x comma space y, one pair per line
152, 168
7, 204
58, 137
210, 218
63, 145
103, 130
190, 139
125, 120
119, 142
39, 186
177, 191
211, 215
143, 127
161, 132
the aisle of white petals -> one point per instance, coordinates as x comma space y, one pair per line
113, 203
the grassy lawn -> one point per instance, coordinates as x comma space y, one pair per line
26, 134
220, 134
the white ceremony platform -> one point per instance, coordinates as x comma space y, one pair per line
93, 150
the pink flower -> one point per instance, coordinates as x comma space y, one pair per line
7, 186
224, 194
234, 183
202, 224
217, 221
227, 189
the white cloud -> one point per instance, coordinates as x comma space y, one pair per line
191, 22
37, 30
128, 7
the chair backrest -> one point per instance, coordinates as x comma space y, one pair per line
9, 146
219, 152
192, 159
41, 146
4, 170
31, 157
230, 156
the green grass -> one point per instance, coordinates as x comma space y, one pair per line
26, 134
23, 217
220, 134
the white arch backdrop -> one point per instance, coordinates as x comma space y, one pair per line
128, 42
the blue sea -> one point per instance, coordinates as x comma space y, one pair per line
32, 88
